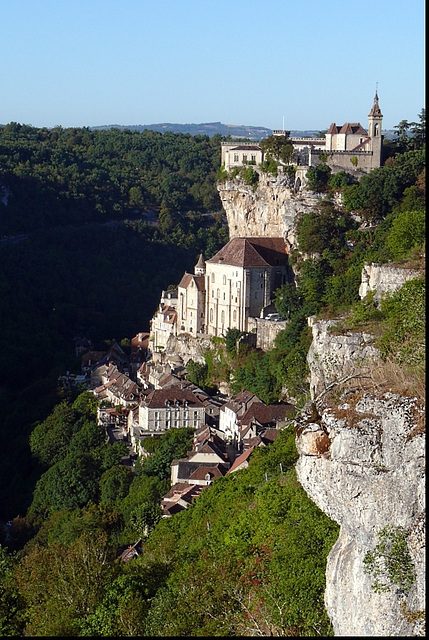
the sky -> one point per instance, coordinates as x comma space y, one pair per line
266, 63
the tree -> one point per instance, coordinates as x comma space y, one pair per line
63, 584
50, 439
318, 178
115, 484
287, 301
278, 148
418, 131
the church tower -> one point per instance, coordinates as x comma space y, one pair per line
200, 267
375, 119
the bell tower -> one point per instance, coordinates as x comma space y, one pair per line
375, 119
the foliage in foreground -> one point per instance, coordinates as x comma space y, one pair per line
246, 558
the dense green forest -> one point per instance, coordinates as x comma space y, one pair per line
93, 226
80, 256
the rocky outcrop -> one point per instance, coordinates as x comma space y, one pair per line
362, 461
184, 347
268, 210
384, 278
334, 356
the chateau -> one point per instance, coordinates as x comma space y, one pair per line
346, 146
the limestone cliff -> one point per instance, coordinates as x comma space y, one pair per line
268, 210
362, 461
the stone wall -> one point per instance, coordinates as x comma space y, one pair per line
266, 332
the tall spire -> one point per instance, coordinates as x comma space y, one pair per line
375, 111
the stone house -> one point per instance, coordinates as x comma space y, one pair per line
163, 325
159, 410
232, 411
239, 154
110, 384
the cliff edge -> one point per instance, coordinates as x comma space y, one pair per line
362, 461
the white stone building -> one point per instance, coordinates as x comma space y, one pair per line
240, 281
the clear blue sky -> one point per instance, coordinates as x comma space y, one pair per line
253, 62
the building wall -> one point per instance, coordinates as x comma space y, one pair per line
159, 419
234, 295
190, 309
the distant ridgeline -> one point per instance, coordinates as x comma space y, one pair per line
213, 128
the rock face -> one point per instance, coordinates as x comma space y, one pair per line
383, 279
333, 357
363, 463
268, 210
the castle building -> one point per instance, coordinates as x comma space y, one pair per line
348, 146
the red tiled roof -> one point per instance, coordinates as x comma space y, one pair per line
264, 413
353, 128
187, 279
244, 457
252, 252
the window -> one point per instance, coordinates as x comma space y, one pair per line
217, 293
222, 317
234, 315
224, 280
244, 157
224, 295
211, 315
213, 277
235, 157
253, 158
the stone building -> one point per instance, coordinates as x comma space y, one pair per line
191, 300
240, 281
348, 146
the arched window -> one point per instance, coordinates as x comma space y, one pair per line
234, 315
211, 315
224, 280
222, 317
213, 277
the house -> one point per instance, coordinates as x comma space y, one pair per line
260, 417
179, 497
242, 461
231, 412
208, 460
238, 154
139, 351
174, 406
115, 387
163, 325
